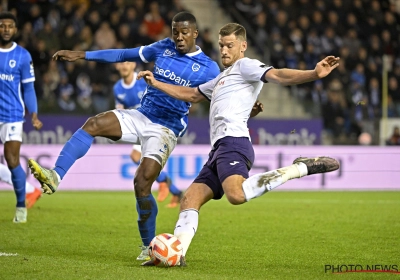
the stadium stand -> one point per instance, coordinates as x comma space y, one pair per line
287, 33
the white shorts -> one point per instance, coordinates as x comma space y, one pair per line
157, 141
11, 131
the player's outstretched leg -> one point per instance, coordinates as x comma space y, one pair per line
47, 177
261, 183
318, 164
75, 148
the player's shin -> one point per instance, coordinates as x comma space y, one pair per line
147, 212
259, 184
18, 178
76, 147
186, 227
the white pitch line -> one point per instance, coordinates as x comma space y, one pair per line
3, 254
334, 201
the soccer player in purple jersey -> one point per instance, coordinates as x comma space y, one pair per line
155, 125
16, 91
232, 94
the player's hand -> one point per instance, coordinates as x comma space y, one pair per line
69, 55
325, 66
37, 124
148, 77
258, 107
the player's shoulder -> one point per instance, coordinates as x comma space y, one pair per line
117, 85
167, 42
249, 61
22, 50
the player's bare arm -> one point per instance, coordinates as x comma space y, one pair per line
287, 77
64, 55
179, 92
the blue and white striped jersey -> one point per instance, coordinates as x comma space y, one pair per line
129, 95
170, 66
16, 67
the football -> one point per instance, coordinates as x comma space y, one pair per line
165, 250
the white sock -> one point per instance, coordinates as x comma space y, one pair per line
58, 176
186, 227
261, 183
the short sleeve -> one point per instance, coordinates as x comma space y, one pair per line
208, 88
253, 70
149, 53
27, 71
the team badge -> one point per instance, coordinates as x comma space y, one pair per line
195, 67
12, 63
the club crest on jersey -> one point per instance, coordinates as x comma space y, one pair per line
195, 67
167, 52
12, 63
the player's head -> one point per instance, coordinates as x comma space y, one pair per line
8, 27
232, 43
126, 68
184, 32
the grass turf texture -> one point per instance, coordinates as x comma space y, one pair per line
282, 235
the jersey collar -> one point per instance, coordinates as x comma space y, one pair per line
131, 84
14, 45
196, 52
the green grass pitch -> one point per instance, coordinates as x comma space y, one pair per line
282, 235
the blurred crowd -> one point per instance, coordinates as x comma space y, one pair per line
298, 33
287, 33
83, 87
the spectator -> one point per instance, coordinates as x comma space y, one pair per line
64, 91
154, 22
49, 37
69, 37
394, 139
334, 111
104, 38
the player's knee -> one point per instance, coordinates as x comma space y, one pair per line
91, 125
12, 161
236, 198
143, 182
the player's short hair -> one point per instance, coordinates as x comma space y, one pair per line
233, 28
185, 16
8, 15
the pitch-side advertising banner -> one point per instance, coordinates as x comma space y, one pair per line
58, 129
109, 167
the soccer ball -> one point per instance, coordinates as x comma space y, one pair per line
165, 250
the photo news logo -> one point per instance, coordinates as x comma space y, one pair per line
352, 268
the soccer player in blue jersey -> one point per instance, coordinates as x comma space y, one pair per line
16, 93
232, 95
128, 92
155, 125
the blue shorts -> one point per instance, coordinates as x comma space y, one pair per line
229, 156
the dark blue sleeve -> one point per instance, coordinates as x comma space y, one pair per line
29, 97
114, 55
